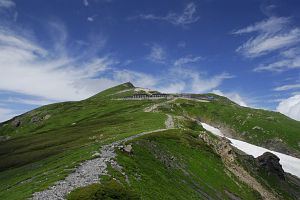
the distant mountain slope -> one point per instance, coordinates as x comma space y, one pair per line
176, 159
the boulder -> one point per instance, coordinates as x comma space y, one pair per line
128, 148
269, 163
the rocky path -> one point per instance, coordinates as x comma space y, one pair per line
89, 171
169, 122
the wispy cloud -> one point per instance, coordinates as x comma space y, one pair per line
31, 69
270, 25
52, 74
85, 3
38, 102
272, 34
7, 4
90, 19
234, 96
287, 87
193, 81
188, 16
157, 54
187, 60
286, 60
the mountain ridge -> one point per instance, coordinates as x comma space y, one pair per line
51, 141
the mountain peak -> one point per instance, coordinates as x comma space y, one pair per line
128, 84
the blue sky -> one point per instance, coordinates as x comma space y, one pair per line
63, 50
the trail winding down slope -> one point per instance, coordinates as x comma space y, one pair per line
89, 171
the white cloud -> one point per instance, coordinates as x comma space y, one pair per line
137, 78
177, 87
7, 4
6, 114
28, 68
92, 18
85, 3
186, 60
194, 81
270, 25
233, 96
290, 107
287, 87
157, 54
289, 59
271, 35
188, 16
38, 102
51, 74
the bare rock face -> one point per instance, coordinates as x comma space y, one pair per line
270, 163
16, 122
35, 119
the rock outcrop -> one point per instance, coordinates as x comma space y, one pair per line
270, 164
16, 122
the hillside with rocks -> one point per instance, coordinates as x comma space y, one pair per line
134, 143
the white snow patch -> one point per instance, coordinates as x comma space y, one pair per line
212, 129
289, 164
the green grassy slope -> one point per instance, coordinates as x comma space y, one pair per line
40, 153
263, 128
46, 144
177, 165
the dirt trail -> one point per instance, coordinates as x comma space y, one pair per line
89, 171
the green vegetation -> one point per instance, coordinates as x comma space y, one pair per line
46, 144
43, 152
175, 164
263, 128
110, 190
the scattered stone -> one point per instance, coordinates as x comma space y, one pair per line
47, 117
257, 128
270, 163
96, 154
35, 119
128, 148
